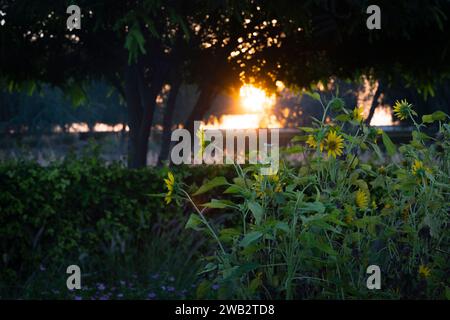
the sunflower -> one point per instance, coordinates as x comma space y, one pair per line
170, 182
358, 113
334, 144
402, 109
424, 271
313, 143
418, 169
362, 198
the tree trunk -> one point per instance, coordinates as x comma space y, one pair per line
167, 120
141, 101
134, 113
374, 102
204, 102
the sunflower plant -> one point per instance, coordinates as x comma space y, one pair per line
356, 199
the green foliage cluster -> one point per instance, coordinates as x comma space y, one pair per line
312, 231
78, 208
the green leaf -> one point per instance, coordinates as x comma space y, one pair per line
307, 129
283, 226
135, 43
313, 206
208, 268
228, 234
427, 118
203, 289
299, 139
325, 247
435, 116
257, 211
389, 145
194, 222
343, 117
218, 204
439, 116
233, 189
314, 95
249, 238
216, 182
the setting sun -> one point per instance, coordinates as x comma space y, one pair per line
254, 99
255, 111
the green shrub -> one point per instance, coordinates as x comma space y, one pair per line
75, 208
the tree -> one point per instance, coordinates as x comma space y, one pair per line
139, 46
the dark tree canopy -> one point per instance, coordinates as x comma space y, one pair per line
138, 46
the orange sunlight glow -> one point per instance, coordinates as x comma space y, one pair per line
256, 104
382, 117
254, 99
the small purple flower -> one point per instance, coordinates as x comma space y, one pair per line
151, 295
170, 289
163, 288
104, 298
122, 283
155, 276
42, 267
101, 286
77, 298
120, 295
215, 286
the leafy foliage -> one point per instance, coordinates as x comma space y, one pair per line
312, 231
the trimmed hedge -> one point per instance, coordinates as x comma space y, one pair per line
79, 207
82, 209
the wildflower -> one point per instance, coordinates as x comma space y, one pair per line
402, 109
418, 169
311, 141
170, 182
151, 295
424, 271
358, 113
215, 287
77, 298
362, 198
334, 144
101, 286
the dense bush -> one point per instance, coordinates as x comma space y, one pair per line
76, 208
312, 231
97, 215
